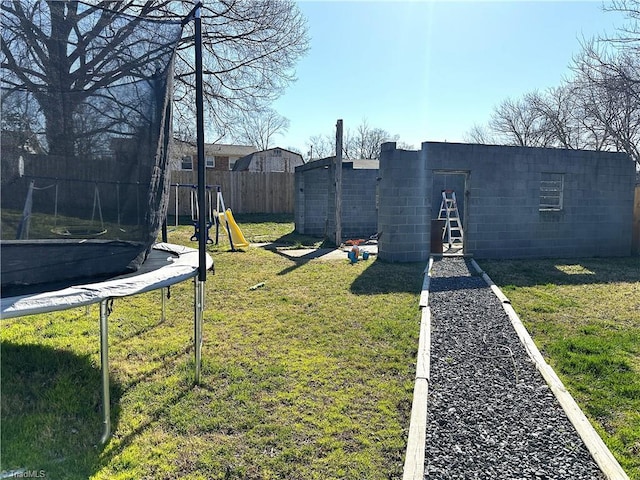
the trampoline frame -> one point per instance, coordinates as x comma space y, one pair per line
145, 280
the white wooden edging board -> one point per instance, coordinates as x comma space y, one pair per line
417, 437
599, 451
423, 363
424, 294
414, 459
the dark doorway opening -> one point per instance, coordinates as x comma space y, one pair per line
451, 210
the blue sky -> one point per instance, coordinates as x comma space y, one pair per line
428, 71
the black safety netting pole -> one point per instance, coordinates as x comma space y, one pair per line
201, 194
202, 220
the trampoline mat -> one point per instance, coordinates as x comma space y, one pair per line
36, 266
165, 265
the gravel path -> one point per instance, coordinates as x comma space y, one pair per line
490, 413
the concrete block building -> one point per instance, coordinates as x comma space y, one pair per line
315, 198
514, 202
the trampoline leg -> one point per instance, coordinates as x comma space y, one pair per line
162, 295
197, 337
104, 364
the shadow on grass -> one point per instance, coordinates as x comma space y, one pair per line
449, 283
385, 277
51, 411
300, 260
116, 447
297, 240
571, 271
293, 241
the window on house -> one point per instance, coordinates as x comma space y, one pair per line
551, 191
186, 163
210, 162
277, 152
278, 166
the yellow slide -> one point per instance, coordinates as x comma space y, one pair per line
237, 238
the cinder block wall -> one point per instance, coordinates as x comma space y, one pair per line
504, 219
404, 212
312, 185
501, 203
299, 202
359, 213
315, 201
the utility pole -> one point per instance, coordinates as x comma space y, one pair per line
338, 183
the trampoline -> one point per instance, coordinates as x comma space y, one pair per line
84, 168
166, 265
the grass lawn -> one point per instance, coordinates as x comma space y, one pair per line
307, 377
584, 315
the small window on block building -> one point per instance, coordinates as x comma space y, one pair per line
551, 191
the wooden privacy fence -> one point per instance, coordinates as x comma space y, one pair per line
243, 192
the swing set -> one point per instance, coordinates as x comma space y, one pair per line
95, 227
212, 216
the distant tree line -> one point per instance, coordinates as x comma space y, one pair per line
596, 108
362, 142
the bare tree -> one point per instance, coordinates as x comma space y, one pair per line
598, 108
367, 140
573, 115
258, 128
608, 87
320, 146
404, 145
363, 143
63, 53
516, 122
294, 150
627, 36
77, 48
479, 134
251, 49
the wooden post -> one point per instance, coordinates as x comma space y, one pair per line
338, 183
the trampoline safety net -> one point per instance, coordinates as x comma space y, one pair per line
86, 127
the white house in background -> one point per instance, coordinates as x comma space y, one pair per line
218, 156
272, 160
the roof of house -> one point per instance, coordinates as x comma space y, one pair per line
229, 150
220, 149
244, 162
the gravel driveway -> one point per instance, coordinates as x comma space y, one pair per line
490, 412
